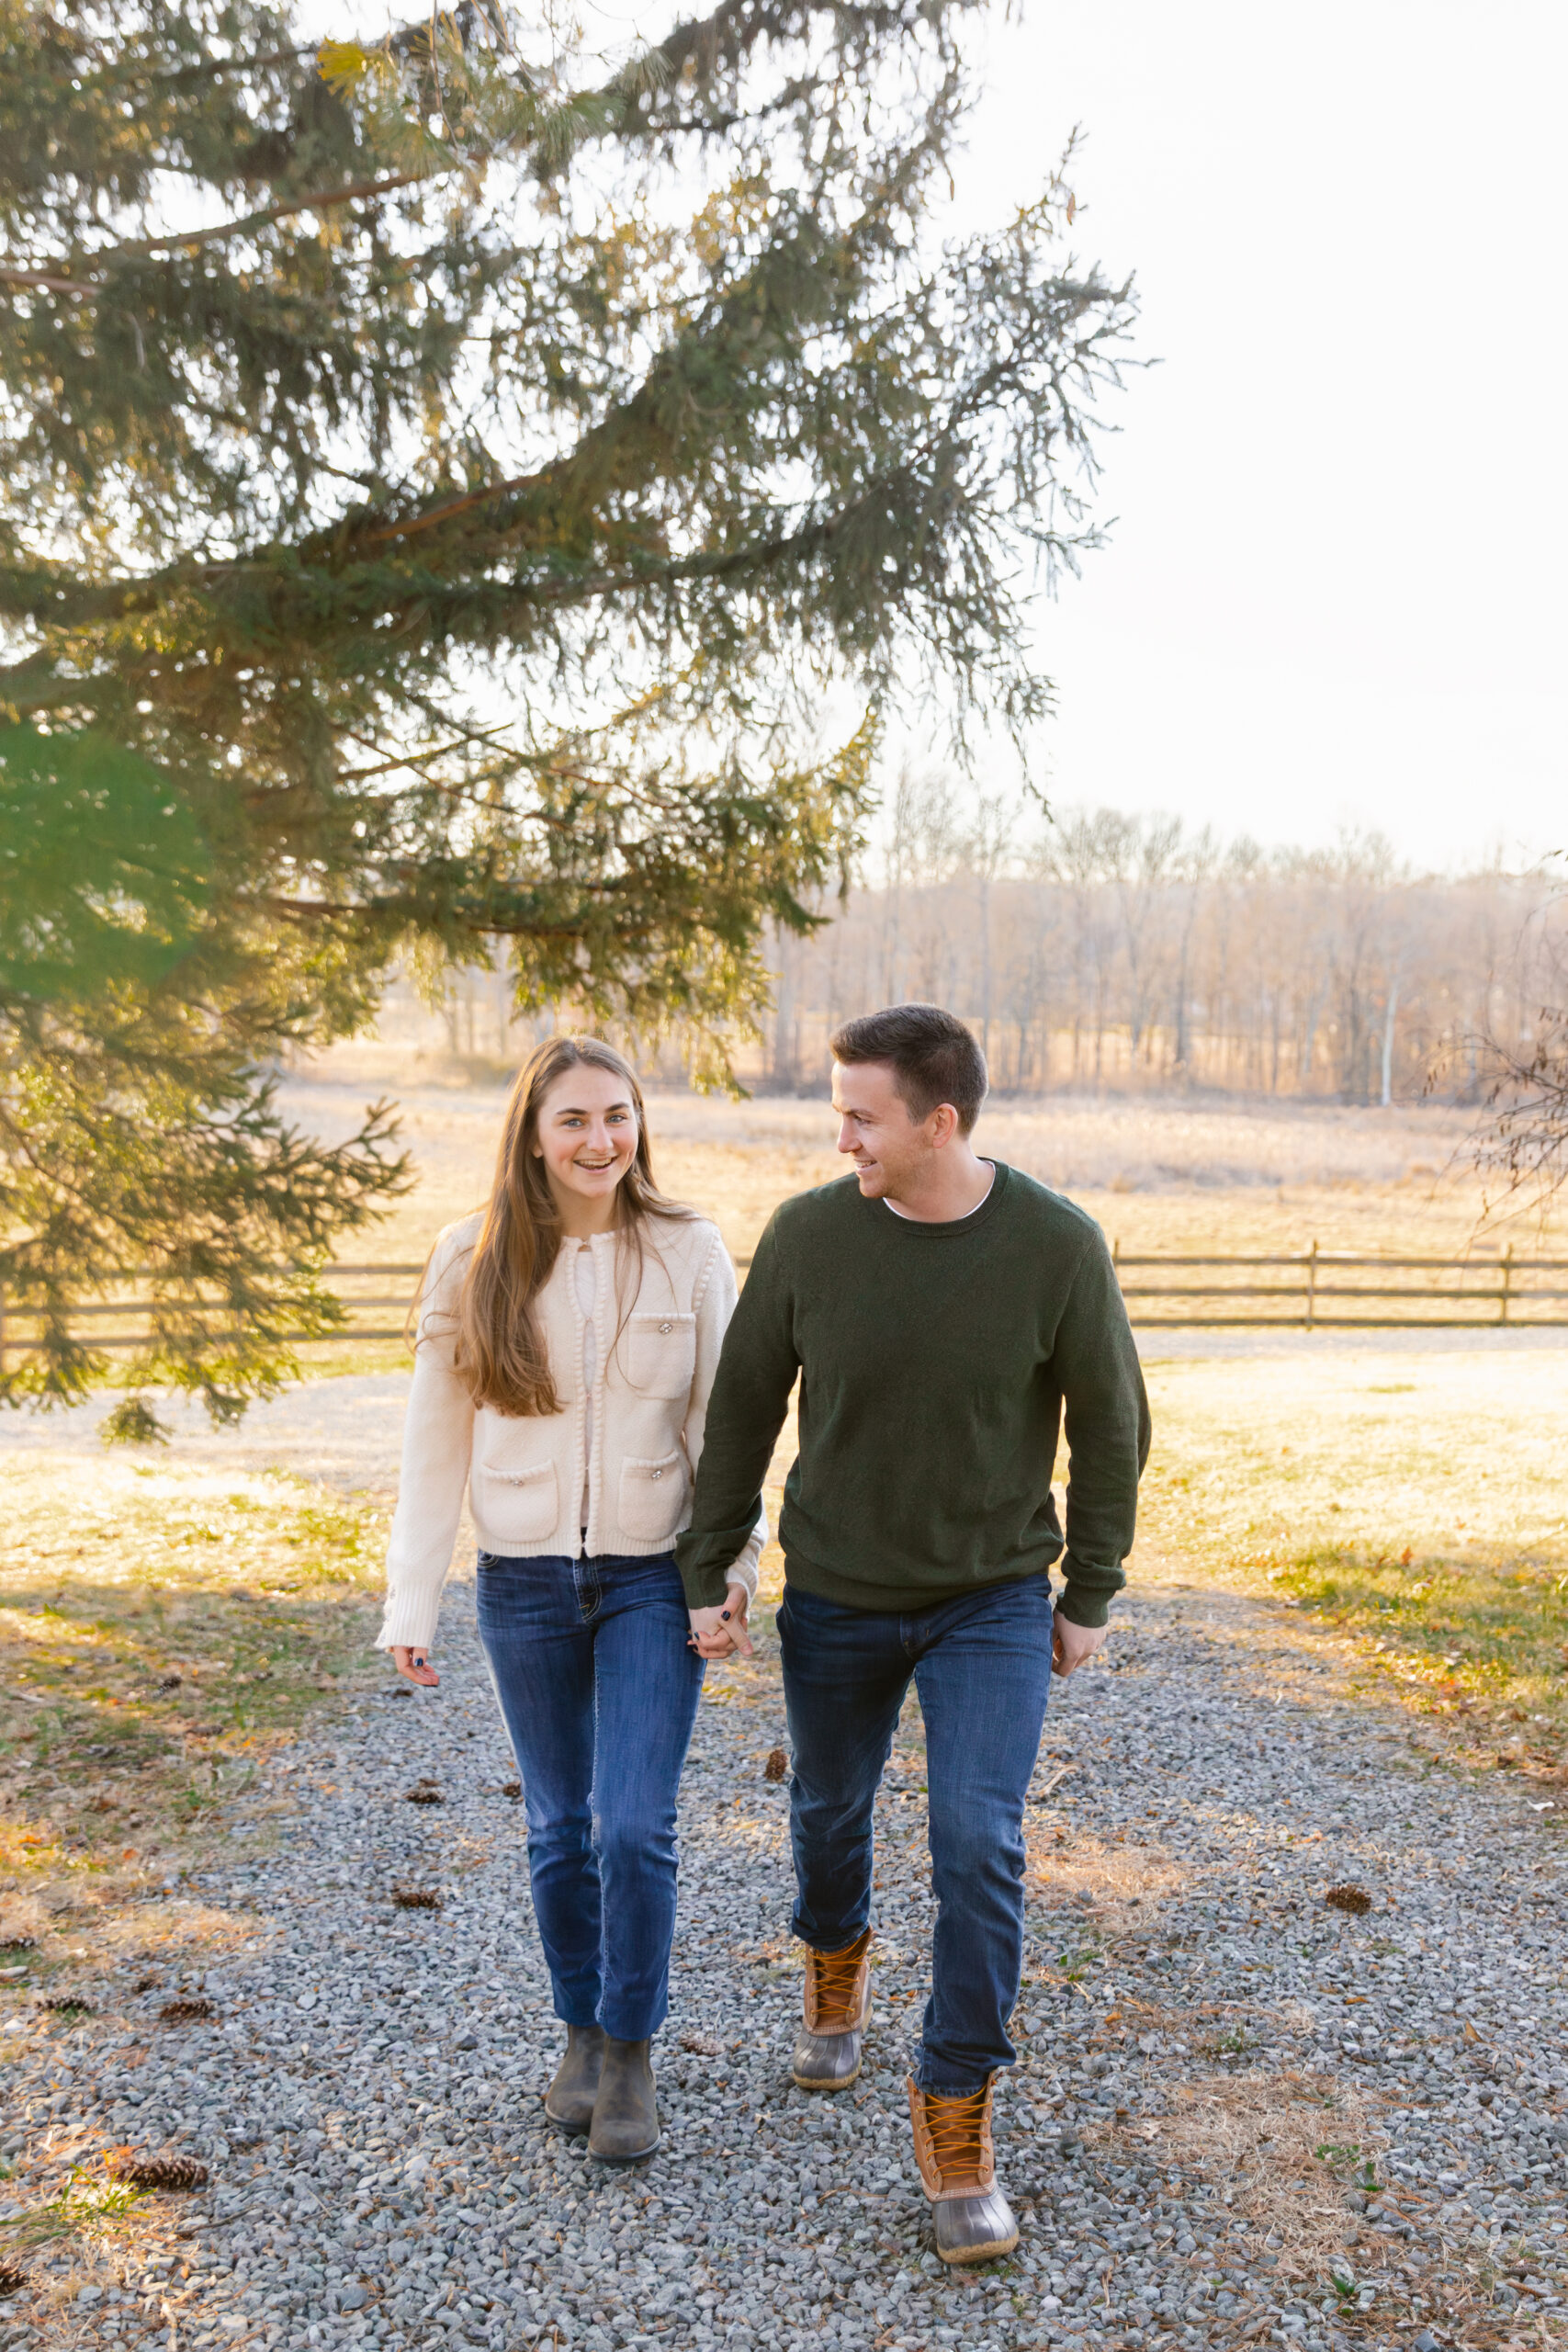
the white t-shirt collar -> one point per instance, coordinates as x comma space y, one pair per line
947, 1221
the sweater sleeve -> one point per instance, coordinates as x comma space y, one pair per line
1108, 1436
751, 1394
716, 1308
438, 1437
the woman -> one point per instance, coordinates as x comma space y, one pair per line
568, 1339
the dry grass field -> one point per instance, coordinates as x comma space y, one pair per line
1157, 1173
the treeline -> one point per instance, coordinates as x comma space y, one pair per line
1113, 951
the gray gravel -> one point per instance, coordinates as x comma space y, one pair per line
1195, 2024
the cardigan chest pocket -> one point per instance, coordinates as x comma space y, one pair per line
518, 1506
661, 1353
653, 1496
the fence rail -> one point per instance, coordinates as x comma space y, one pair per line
119, 1303
1327, 1289
1345, 1290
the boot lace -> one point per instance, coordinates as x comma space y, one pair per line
833, 1975
954, 2125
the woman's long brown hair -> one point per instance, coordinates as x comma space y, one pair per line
501, 1357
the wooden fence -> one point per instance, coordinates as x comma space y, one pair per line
116, 1320
1312, 1290
1315, 1290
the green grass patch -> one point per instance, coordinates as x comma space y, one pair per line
88, 2203
160, 1629
1488, 1638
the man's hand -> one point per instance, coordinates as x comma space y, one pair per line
721, 1632
1070, 1644
414, 1664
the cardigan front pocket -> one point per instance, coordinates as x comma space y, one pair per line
653, 1496
519, 1506
661, 1353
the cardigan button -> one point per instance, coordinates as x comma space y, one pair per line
665, 1330
659, 1474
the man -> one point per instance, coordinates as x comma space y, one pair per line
940, 1310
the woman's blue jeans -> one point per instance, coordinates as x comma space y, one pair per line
981, 1665
599, 1693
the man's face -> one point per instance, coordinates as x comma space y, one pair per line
875, 1129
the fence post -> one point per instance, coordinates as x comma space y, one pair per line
1504, 1294
1311, 1286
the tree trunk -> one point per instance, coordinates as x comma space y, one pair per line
1389, 1012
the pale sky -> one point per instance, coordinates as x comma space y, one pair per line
1336, 591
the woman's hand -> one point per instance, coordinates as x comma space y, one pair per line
414, 1666
721, 1632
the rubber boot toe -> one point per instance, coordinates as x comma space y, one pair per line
825, 2061
974, 2229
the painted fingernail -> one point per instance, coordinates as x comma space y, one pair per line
724, 1612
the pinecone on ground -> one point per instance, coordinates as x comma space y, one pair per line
182, 2012
12, 2280
67, 2005
416, 1898
154, 2172
1354, 1899
422, 1793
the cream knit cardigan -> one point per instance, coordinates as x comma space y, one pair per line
654, 1362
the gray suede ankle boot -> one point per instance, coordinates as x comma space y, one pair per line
569, 2099
626, 2114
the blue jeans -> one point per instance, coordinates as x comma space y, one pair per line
981, 1665
599, 1693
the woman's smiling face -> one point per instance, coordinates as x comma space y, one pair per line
587, 1136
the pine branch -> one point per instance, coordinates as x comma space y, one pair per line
40, 279
189, 240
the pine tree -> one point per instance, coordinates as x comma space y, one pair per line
452, 479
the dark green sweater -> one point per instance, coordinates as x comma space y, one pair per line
935, 1360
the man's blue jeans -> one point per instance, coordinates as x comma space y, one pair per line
599, 1693
981, 1665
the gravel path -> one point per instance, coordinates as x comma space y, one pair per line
1217, 2068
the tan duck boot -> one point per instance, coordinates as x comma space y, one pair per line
974, 2220
836, 2012
569, 2099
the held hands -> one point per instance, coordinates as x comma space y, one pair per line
721, 1632
414, 1666
1070, 1644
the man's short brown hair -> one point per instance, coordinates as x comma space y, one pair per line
933, 1058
